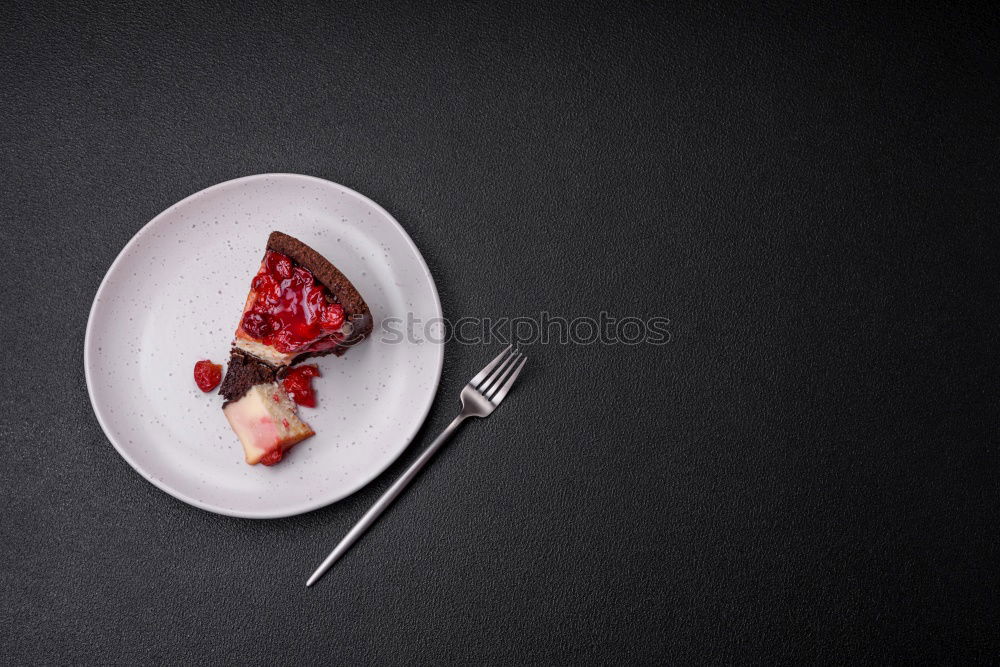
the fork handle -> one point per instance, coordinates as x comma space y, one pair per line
383, 503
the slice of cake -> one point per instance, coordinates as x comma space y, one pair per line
299, 306
259, 410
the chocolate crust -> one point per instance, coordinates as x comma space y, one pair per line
355, 309
244, 371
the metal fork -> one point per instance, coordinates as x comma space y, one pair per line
479, 399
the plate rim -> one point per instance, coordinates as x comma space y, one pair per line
306, 506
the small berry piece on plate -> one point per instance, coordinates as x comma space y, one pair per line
298, 384
207, 375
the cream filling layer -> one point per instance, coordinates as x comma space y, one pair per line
265, 418
274, 356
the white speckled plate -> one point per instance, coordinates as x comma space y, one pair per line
175, 294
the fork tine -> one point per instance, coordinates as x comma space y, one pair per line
489, 367
493, 380
507, 384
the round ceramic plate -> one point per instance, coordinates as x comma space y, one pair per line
175, 295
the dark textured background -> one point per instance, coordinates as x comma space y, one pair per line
807, 472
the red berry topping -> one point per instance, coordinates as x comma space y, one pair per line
272, 456
290, 311
277, 264
298, 384
207, 375
302, 276
257, 325
332, 317
261, 281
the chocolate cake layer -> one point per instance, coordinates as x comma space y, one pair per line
244, 371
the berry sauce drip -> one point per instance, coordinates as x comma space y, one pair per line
298, 384
291, 312
207, 375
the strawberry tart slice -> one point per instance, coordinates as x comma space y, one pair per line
299, 306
